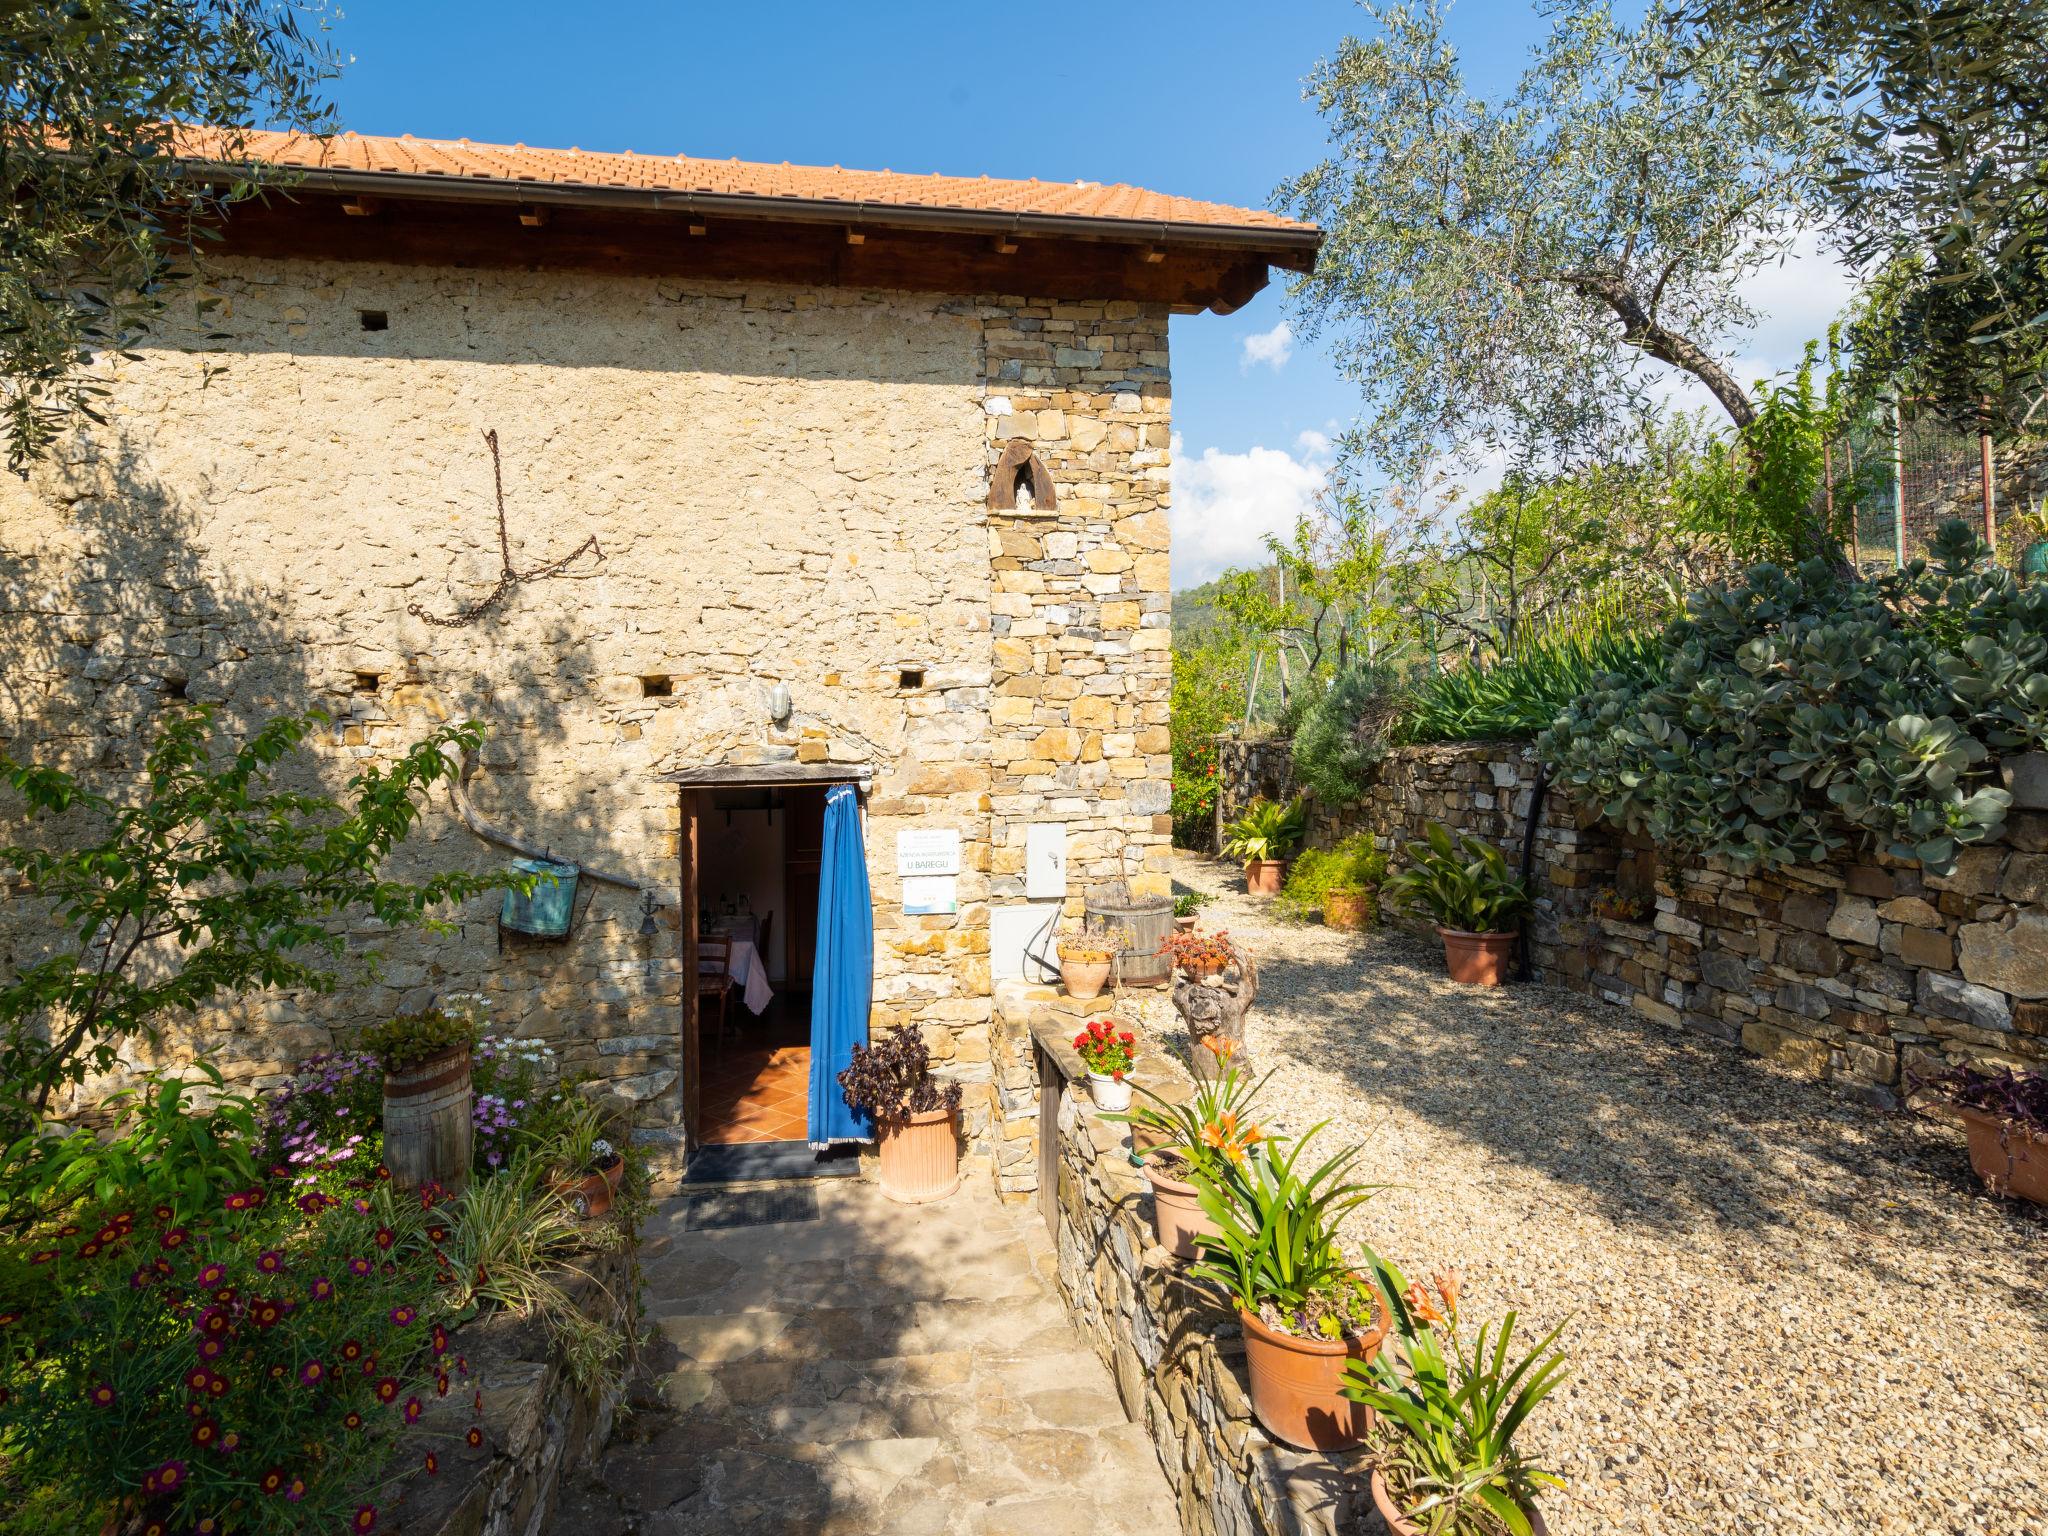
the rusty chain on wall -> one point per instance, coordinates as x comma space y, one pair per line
508, 577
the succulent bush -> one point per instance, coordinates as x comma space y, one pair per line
1806, 706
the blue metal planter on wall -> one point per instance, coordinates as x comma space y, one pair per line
548, 910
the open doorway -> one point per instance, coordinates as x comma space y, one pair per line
757, 868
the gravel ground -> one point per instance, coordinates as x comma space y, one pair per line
1787, 1313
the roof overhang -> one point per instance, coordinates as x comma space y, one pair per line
550, 225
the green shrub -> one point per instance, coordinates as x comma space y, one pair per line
1342, 734
1803, 702
1354, 864
411, 1038
1522, 694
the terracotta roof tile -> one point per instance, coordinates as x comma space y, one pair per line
406, 155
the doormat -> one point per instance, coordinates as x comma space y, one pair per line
752, 1207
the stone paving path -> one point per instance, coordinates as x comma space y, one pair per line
886, 1369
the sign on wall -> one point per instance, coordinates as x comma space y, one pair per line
928, 851
930, 895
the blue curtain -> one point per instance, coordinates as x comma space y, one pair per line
842, 981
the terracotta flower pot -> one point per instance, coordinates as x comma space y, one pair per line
1401, 1525
1110, 1093
1184, 924
1264, 877
1347, 909
592, 1195
920, 1157
1478, 959
1298, 1384
1177, 1214
1084, 979
2009, 1158
1200, 968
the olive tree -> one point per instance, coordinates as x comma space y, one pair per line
97, 217
1497, 270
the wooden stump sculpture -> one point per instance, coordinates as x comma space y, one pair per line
1213, 1008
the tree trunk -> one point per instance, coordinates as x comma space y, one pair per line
1667, 346
1213, 1008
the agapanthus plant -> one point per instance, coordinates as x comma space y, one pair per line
1213, 1130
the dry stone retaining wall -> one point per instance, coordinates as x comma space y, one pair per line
785, 485
1864, 972
1176, 1349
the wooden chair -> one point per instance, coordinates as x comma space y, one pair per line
714, 974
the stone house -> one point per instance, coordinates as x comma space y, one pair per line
843, 477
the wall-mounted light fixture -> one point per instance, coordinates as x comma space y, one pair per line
779, 705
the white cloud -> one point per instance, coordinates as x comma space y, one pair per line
1225, 504
1273, 348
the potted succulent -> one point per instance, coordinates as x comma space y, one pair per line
587, 1168
2005, 1117
1199, 954
1618, 906
1084, 964
892, 1085
1264, 838
1107, 1051
1306, 1312
1450, 1411
1213, 1131
1476, 904
1185, 906
427, 1124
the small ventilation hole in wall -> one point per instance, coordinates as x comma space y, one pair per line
368, 682
657, 687
910, 677
174, 688
374, 319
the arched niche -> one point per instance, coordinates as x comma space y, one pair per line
1020, 482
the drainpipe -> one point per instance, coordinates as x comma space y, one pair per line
1525, 960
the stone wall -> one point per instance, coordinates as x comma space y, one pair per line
1175, 1347
539, 1428
785, 486
1863, 972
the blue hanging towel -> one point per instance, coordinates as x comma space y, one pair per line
843, 979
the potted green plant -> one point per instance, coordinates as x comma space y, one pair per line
1351, 884
892, 1085
1084, 964
2005, 1117
1476, 904
584, 1167
427, 1125
1306, 1312
1450, 1412
1264, 837
1213, 1131
1108, 1051
1185, 906
1198, 954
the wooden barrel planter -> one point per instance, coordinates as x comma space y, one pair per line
427, 1122
1147, 920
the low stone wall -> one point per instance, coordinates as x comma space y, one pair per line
1862, 972
1175, 1347
538, 1426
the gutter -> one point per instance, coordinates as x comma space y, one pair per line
1281, 244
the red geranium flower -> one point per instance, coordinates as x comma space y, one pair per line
205, 1433
167, 1478
197, 1378
351, 1350
212, 1275
352, 1420
175, 1238
440, 1340
272, 1480
385, 1238
312, 1373
266, 1314
163, 1213
387, 1389
359, 1267
211, 1349
321, 1288
475, 1437
270, 1261
402, 1316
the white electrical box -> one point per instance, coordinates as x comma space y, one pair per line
1045, 861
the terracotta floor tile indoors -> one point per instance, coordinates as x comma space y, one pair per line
756, 1082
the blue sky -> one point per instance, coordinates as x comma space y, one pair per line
1185, 96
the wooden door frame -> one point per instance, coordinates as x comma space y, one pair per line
691, 782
